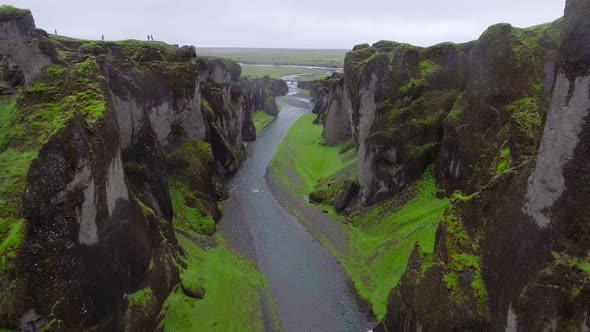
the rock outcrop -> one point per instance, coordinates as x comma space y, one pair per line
504, 120
259, 96
93, 143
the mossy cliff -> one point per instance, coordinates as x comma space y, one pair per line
503, 120
259, 96
106, 149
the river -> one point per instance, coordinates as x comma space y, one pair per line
311, 289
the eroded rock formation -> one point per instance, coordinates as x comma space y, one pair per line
96, 137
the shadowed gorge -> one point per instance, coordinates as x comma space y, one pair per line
146, 186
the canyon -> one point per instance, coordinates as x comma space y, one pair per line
144, 187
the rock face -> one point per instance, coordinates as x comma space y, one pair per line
259, 96
504, 120
95, 138
262, 92
331, 105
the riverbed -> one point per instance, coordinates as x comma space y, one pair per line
311, 290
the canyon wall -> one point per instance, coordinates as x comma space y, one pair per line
503, 120
95, 136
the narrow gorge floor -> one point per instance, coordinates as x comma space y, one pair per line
311, 289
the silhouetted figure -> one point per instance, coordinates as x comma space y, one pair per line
148, 37
102, 37
152, 37
56, 32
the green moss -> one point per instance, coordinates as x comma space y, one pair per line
233, 287
418, 151
52, 325
56, 70
428, 120
384, 238
460, 247
8, 12
427, 68
459, 196
572, 262
525, 113
261, 120
8, 115
190, 214
11, 242
455, 113
91, 48
504, 164
14, 165
142, 298
452, 281
411, 87
206, 106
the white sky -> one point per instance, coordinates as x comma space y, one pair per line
286, 24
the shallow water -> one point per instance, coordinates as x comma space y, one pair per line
311, 289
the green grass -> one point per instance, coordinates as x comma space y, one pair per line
143, 298
504, 164
8, 115
261, 120
278, 72
275, 56
8, 12
303, 152
384, 238
13, 238
232, 299
427, 67
189, 212
14, 165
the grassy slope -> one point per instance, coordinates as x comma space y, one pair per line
382, 237
279, 71
302, 57
232, 284
232, 299
261, 120
303, 151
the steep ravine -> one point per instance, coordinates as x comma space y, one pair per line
312, 291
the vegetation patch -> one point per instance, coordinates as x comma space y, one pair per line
261, 120
504, 164
384, 236
232, 284
463, 266
8, 12
303, 151
525, 114
142, 298
428, 67
12, 232
190, 214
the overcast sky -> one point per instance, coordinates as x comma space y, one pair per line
287, 24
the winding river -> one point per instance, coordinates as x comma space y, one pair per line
312, 291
